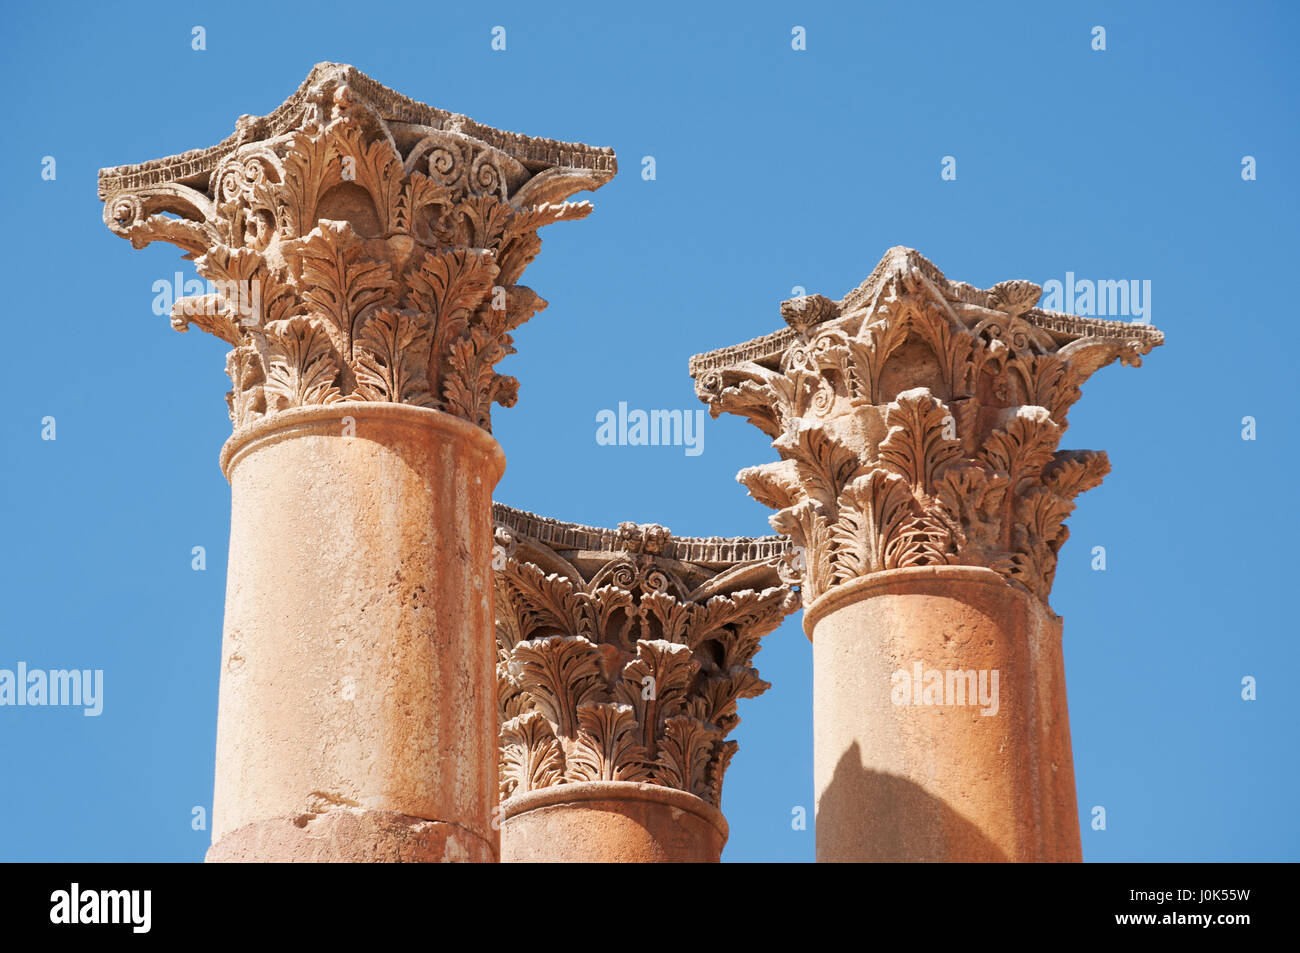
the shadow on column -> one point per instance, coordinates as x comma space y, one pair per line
866, 815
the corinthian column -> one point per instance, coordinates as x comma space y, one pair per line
363, 253
620, 657
917, 420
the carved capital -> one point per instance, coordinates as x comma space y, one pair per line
621, 654
361, 245
917, 420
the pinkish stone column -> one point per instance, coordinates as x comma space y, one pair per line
917, 420
353, 692
363, 252
621, 656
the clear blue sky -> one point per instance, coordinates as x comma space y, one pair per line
775, 169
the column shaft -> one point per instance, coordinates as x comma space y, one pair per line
986, 775
357, 658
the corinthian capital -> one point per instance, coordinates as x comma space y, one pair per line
917, 420
360, 245
622, 653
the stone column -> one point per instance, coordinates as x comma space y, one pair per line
917, 420
363, 253
621, 655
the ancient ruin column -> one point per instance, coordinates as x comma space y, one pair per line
363, 253
917, 420
621, 655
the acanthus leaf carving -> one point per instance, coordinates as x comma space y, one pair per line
869, 354
472, 383
811, 533
685, 754
959, 354
513, 699
715, 700
340, 282
562, 673
649, 689
969, 503
1047, 381
734, 623
1072, 472
386, 361
724, 751
302, 364
655, 685
475, 222
520, 242
1023, 444
376, 167
531, 756
247, 398
1037, 537
547, 603
955, 396
210, 313
310, 170
918, 443
449, 288
614, 613
772, 484
874, 511
333, 204
606, 748
664, 617
823, 464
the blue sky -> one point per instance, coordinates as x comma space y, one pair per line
775, 169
